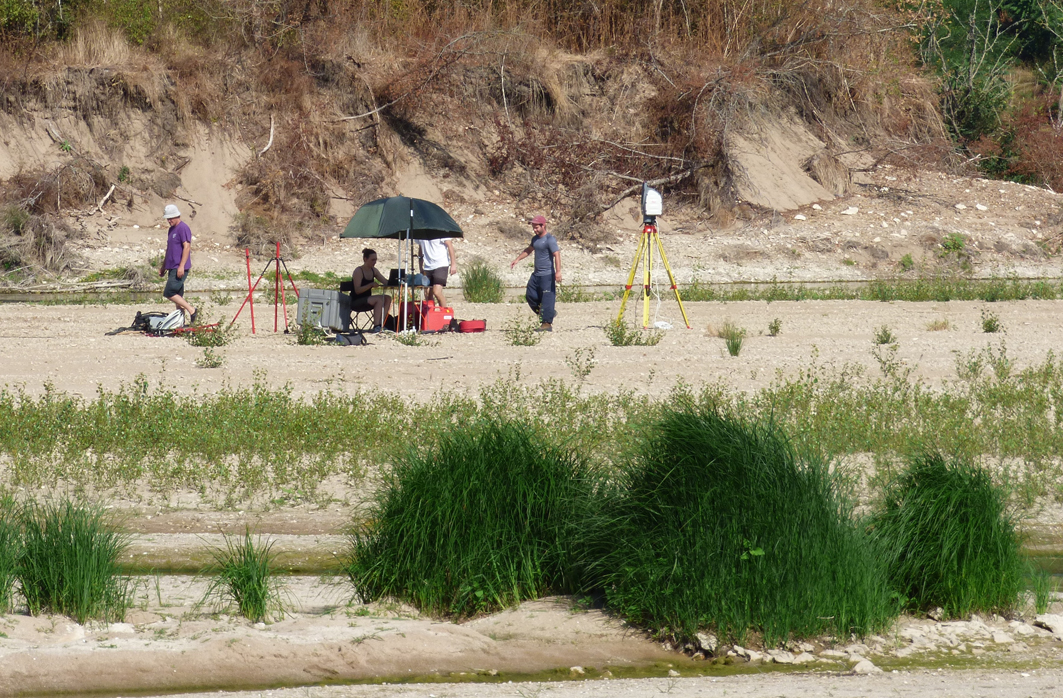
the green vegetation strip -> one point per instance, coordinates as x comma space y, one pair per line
258, 439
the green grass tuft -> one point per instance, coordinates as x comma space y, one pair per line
483, 521
70, 562
10, 551
521, 332
718, 524
242, 574
949, 538
480, 283
732, 336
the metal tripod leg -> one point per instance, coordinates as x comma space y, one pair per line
671, 278
631, 274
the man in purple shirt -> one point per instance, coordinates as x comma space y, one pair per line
178, 261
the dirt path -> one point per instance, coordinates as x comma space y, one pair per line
966, 684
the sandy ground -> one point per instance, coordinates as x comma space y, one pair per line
65, 345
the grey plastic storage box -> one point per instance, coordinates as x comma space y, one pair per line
325, 309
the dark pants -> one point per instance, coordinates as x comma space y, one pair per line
541, 294
174, 286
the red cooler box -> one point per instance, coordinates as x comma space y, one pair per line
435, 318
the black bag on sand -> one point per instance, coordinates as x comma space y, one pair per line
351, 339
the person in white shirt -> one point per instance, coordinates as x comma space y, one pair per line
437, 260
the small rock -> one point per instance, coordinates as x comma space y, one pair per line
577, 670
673, 672
866, 667
937, 613
833, 654
708, 642
1018, 647
817, 207
851, 211
981, 207
1002, 638
781, 656
1022, 629
754, 657
804, 658
259, 626
800, 217
1051, 622
961, 207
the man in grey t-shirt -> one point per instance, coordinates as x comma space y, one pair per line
542, 286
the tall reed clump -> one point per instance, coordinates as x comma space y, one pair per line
10, 550
480, 283
949, 538
70, 562
485, 520
719, 524
242, 574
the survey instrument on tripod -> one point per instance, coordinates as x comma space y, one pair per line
279, 298
650, 240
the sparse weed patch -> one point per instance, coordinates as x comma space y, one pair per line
884, 335
242, 574
621, 334
520, 332
938, 325
906, 263
70, 562
210, 359
581, 362
310, 335
775, 327
991, 322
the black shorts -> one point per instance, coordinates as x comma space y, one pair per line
437, 277
174, 286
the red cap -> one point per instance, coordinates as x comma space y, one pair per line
539, 220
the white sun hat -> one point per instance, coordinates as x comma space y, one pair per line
171, 212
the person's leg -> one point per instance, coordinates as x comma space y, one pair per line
378, 303
549, 297
174, 291
533, 295
437, 296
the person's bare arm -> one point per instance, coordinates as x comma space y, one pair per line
380, 278
557, 266
527, 251
453, 258
186, 249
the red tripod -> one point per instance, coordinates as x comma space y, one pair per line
278, 289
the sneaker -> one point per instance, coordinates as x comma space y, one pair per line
192, 319
376, 330
545, 327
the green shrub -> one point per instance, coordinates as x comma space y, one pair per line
70, 562
991, 322
621, 334
210, 359
884, 335
487, 519
242, 574
906, 262
949, 538
718, 524
10, 550
775, 327
480, 283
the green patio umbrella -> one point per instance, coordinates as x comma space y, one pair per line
401, 218
404, 219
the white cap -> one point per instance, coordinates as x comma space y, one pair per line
171, 212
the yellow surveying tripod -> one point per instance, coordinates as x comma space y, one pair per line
652, 206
